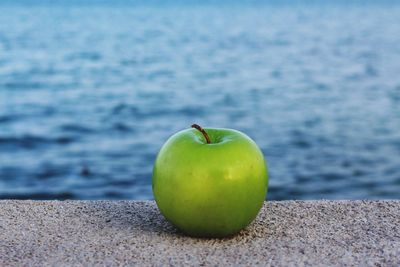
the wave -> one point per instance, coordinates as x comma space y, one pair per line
34, 141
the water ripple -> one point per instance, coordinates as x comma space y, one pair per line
87, 97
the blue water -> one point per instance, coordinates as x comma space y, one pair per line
89, 94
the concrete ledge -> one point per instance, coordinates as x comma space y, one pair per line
110, 233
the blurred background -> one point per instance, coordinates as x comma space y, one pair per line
89, 91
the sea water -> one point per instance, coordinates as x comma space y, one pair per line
89, 93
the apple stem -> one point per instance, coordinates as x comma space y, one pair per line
198, 127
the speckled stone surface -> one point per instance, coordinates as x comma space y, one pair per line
118, 233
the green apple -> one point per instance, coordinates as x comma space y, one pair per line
210, 182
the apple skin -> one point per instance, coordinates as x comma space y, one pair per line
210, 190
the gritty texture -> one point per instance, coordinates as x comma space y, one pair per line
121, 233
